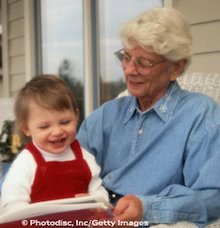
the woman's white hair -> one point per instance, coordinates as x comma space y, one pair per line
164, 30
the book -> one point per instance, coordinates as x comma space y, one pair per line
76, 211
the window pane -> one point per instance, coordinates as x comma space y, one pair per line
112, 14
62, 43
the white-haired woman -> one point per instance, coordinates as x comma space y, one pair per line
158, 148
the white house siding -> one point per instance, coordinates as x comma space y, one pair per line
18, 39
204, 18
16, 53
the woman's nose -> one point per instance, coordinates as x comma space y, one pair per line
130, 68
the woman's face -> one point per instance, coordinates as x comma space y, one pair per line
148, 83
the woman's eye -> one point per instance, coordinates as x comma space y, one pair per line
127, 57
144, 63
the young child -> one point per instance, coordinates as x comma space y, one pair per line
52, 165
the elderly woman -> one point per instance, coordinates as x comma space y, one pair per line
158, 148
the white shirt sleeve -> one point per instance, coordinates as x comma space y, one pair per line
95, 186
16, 187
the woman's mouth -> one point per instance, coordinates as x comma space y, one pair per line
135, 83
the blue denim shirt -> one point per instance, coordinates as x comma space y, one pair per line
169, 155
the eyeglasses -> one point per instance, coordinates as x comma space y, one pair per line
142, 65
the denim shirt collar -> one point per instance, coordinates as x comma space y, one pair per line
164, 107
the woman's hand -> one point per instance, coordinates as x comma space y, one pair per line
128, 208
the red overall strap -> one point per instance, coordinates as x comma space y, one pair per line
77, 149
35, 152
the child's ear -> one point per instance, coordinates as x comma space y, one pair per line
26, 130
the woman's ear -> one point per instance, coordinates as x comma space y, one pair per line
178, 68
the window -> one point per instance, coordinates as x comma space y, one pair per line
62, 43
63, 37
112, 14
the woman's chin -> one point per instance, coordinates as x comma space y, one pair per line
135, 92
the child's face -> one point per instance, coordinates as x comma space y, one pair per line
51, 130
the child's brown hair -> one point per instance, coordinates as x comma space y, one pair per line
48, 91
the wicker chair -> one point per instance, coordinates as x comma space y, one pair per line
208, 84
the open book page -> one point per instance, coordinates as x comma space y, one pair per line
54, 206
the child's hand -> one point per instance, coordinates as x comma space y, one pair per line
81, 194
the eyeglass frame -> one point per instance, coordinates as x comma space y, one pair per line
149, 65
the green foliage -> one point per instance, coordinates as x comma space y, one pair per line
9, 142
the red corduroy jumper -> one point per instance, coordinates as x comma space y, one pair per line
59, 179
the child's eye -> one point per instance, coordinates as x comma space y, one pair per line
65, 122
43, 126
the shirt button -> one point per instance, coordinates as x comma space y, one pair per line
163, 108
109, 176
113, 196
141, 131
